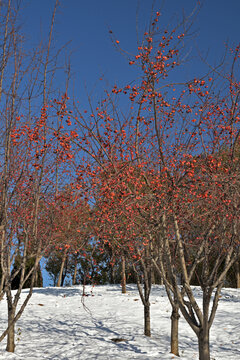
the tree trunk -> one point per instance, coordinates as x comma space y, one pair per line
123, 282
237, 270
62, 267
11, 333
203, 345
153, 280
147, 326
2, 286
174, 330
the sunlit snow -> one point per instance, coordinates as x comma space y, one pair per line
59, 323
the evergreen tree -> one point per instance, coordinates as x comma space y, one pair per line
38, 282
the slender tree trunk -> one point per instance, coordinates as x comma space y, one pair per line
11, 331
147, 289
147, 324
237, 270
11, 334
174, 330
203, 335
62, 268
147, 270
123, 273
2, 286
203, 344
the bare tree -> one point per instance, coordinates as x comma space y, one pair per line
25, 159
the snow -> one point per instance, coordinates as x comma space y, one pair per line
59, 323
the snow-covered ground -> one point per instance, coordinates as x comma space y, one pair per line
57, 325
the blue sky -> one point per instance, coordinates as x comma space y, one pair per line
93, 55
87, 24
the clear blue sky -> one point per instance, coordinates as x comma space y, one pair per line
87, 22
